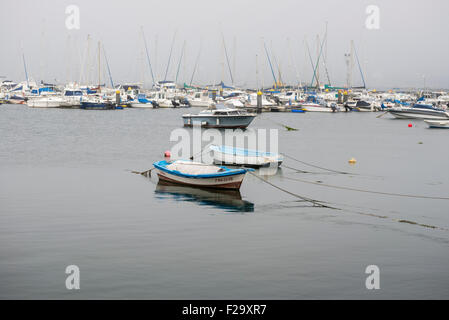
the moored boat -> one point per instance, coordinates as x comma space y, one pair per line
245, 157
219, 118
442, 124
198, 174
49, 101
419, 111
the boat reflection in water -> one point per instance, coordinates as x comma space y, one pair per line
228, 200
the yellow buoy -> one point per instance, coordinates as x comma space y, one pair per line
352, 161
259, 93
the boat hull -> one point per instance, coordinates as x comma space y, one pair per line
419, 114
142, 105
44, 103
437, 124
95, 106
226, 182
245, 160
225, 122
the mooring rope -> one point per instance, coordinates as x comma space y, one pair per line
314, 202
368, 191
315, 166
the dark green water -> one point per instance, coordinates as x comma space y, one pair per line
67, 197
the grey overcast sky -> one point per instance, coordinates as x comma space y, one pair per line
411, 45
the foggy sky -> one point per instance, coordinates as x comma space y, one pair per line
411, 44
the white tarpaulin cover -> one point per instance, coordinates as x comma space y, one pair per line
194, 168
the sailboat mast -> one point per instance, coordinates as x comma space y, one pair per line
99, 67
169, 56
227, 58
271, 66
107, 65
25, 67
148, 55
257, 73
180, 59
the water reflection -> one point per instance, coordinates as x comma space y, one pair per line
228, 200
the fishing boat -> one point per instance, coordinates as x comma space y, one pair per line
219, 118
419, 111
198, 174
245, 157
441, 124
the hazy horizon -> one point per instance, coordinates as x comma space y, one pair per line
408, 49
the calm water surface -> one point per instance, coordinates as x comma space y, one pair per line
67, 196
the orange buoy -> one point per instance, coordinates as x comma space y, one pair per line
352, 161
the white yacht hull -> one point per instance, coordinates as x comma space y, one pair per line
444, 124
44, 103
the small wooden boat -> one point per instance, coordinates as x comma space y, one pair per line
245, 157
442, 124
198, 174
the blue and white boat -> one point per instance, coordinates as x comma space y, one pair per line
245, 157
419, 110
219, 118
199, 174
95, 103
142, 102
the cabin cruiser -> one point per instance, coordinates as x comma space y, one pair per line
72, 98
46, 101
201, 99
419, 110
219, 118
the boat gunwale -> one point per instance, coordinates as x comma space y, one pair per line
161, 165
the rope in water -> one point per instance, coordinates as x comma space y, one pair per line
368, 191
319, 204
314, 166
314, 202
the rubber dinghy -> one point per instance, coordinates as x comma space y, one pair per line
245, 157
199, 174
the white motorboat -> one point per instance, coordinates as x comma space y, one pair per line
219, 118
442, 124
315, 107
49, 101
201, 99
419, 111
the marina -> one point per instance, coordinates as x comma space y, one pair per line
224, 151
